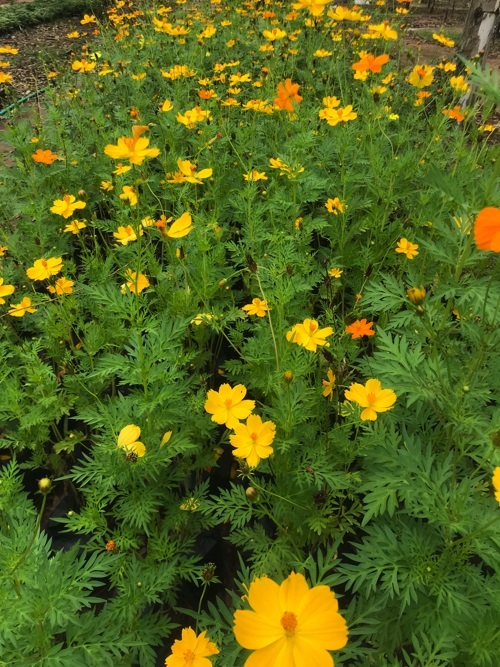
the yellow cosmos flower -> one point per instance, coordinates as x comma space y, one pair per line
128, 440
121, 169
83, 66
5, 290
335, 206
136, 282
129, 193
61, 286
66, 206
134, 149
459, 84
442, 39
167, 106
74, 227
274, 34
380, 30
181, 227
188, 173
202, 318
329, 384
407, 248
44, 268
291, 625
227, 405
309, 335
126, 234
315, 7
20, 309
371, 397
192, 650
255, 175
496, 482
193, 116
335, 273
335, 116
257, 307
252, 441
421, 76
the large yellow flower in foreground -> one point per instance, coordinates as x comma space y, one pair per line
309, 335
134, 149
252, 441
371, 397
127, 440
66, 206
291, 625
191, 650
227, 405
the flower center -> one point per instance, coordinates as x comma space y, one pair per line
228, 402
289, 623
312, 327
254, 436
371, 398
44, 263
189, 657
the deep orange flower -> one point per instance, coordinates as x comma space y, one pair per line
454, 113
44, 157
360, 328
287, 95
487, 229
371, 63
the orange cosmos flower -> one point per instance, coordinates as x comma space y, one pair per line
372, 398
44, 157
227, 405
134, 149
287, 95
360, 328
487, 229
371, 63
455, 113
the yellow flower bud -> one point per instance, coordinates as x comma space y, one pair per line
288, 376
45, 485
416, 294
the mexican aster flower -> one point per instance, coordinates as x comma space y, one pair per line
134, 149
252, 441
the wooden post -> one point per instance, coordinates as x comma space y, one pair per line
479, 28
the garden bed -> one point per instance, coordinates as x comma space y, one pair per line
249, 305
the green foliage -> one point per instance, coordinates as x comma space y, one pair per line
16, 16
105, 388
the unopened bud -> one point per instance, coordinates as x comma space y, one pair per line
208, 572
45, 485
288, 376
82, 193
252, 494
416, 294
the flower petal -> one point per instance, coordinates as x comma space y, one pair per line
255, 631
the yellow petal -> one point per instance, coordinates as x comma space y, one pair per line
254, 631
128, 435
